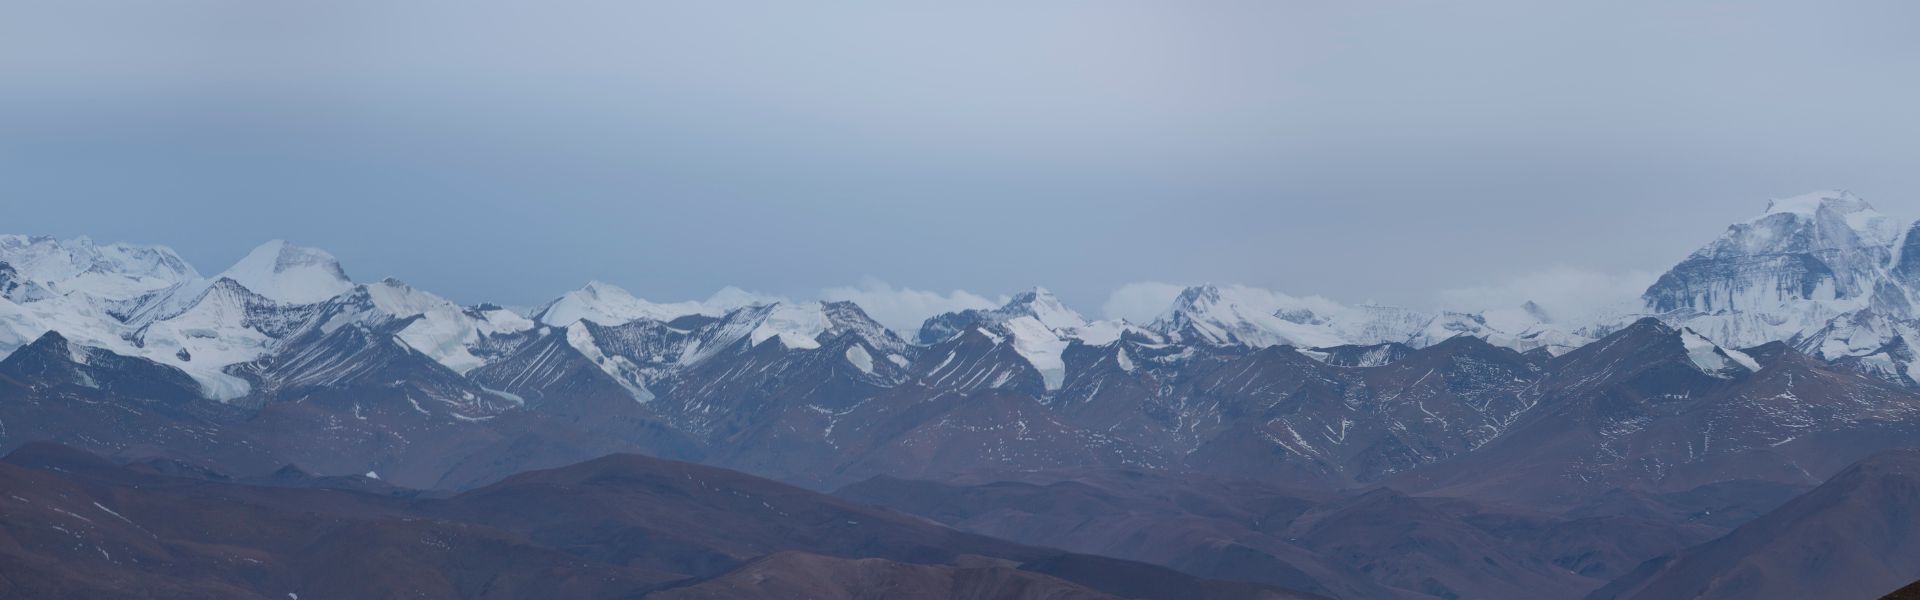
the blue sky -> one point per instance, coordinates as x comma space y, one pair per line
1388, 151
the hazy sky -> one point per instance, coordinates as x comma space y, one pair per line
1385, 151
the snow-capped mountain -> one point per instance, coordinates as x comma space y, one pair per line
1778, 353
1251, 317
1824, 272
607, 304
111, 272
1243, 316
436, 327
1038, 304
1806, 260
157, 307
226, 325
1231, 380
290, 274
1039, 327
794, 325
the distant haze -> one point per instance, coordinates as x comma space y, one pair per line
935, 155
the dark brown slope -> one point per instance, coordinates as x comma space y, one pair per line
56, 390
1377, 544
700, 520
1206, 527
72, 524
1910, 592
1855, 536
801, 575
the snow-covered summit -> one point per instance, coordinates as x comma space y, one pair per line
729, 298
442, 330
1823, 271
290, 274
1038, 324
1046, 308
795, 325
109, 271
1036, 303
607, 304
1237, 315
1806, 260
1841, 201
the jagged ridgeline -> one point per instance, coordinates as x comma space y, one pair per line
1243, 434
1812, 297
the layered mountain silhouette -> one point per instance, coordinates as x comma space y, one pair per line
1244, 442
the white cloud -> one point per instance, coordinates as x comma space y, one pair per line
1141, 301
903, 309
1566, 292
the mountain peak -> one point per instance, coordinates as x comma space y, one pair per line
1833, 211
597, 287
1041, 304
1841, 201
608, 304
51, 341
1036, 302
1205, 292
1808, 259
1238, 315
1032, 294
729, 298
291, 274
1539, 313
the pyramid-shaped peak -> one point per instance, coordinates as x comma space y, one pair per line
291, 274
1033, 294
1041, 304
1198, 293
599, 288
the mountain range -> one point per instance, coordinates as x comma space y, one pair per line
1244, 435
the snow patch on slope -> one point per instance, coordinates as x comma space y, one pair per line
858, 356
210, 335
1037, 343
623, 371
1711, 358
797, 325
